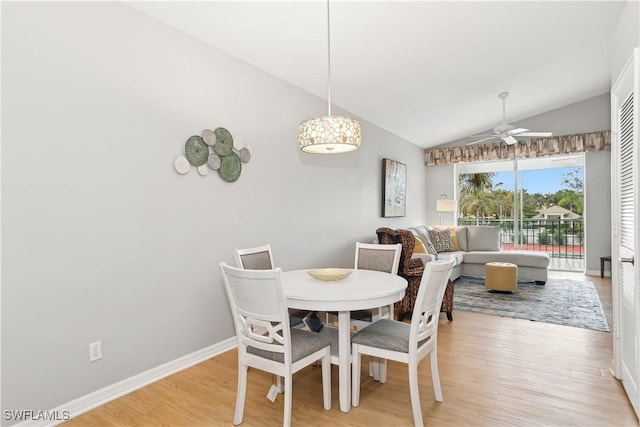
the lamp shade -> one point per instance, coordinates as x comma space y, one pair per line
329, 135
444, 205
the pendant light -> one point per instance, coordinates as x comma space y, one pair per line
329, 134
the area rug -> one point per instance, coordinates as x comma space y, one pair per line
559, 301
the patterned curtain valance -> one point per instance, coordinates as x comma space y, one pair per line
541, 147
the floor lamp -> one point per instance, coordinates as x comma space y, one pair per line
445, 205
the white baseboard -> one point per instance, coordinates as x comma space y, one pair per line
99, 397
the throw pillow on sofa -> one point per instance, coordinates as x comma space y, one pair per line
419, 247
483, 238
426, 240
454, 239
460, 232
442, 240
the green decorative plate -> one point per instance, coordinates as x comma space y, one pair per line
230, 167
224, 142
196, 151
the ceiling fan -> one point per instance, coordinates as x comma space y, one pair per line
507, 132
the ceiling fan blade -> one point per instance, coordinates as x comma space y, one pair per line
517, 131
509, 140
538, 134
483, 139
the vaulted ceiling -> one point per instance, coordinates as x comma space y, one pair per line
428, 71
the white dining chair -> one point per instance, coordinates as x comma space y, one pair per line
407, 343
385, 258
265, 339
371, 256
261, 258
256, 258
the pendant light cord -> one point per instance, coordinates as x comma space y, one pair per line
329, 57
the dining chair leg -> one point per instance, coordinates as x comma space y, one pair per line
242, 392
435, 375
326, 380
355, 375
414, 392
383, 370
287, 400
374, 368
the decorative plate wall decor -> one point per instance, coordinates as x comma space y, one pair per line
182, 165
196, 151
230, 167
224, 142
214, 150
214, 161
209, 137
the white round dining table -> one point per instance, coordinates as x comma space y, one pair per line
362, 289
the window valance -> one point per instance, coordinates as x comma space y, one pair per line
539, 147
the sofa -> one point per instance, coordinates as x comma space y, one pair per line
411, 268
474, 246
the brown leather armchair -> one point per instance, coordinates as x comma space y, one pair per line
411, 270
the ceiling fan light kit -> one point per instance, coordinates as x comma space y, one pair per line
507, 132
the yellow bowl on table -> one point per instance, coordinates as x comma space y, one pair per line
330, 274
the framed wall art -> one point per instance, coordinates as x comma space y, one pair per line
394, 188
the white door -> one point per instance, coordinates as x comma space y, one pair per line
625, 277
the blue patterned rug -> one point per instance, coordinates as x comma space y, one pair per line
559, 301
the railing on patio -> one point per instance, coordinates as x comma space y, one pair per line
562, 239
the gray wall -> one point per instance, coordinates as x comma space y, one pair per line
103, 240
587, 116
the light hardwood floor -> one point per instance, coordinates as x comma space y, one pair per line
494, 371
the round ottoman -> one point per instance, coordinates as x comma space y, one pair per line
501, 276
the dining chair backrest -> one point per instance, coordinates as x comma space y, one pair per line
370, 256
259, 309
257, 258
261, 258
424, 321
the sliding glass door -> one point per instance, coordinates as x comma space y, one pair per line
538, 203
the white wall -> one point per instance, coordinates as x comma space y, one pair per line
597, 209
625, 38
587, 116
103, 240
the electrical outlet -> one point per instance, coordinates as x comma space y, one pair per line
95, 351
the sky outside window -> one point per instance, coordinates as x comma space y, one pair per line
541, 181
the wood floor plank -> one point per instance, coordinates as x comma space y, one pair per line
494, 371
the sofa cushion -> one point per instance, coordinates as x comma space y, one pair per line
483, 238
422, 233
460, 233
519, 258
420, 229
442, 240
458, 256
